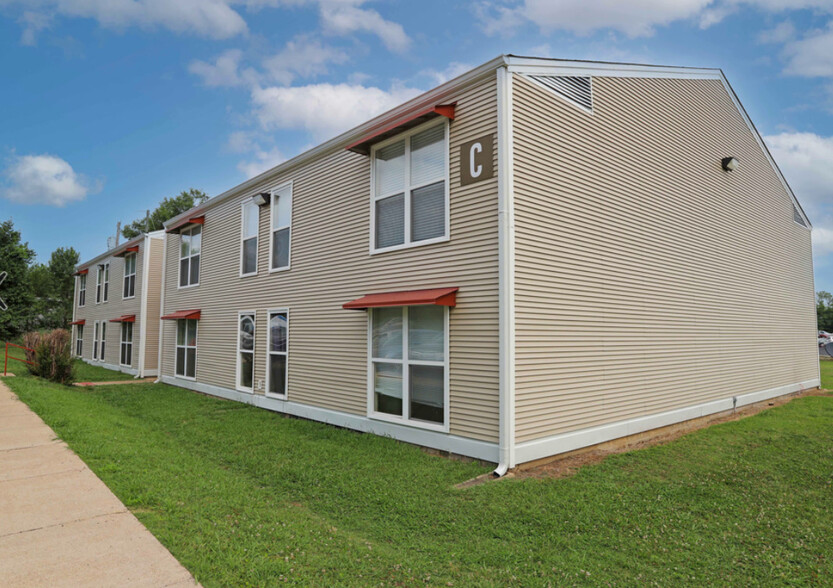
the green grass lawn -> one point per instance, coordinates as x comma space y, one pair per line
242, 496
84, 372
827, 374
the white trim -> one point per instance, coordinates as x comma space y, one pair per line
548, 446
408, 189
406, 363
563, 67
290, 184
243, 238
105, 284
506, 270
125, 275
123, 342
422, 437
162, 324
79, 338
240, 315
113, 367
269, 353
190, 230
143, 304
186, 347
78, 292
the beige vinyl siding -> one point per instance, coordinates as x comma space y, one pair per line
154, 306
331, 265
647, 278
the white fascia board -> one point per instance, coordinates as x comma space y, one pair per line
531, 65
557, 444
442, 441
143, 304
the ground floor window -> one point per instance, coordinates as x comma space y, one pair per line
79, 340
186, 348
99, 339
126, 356
246, 351
409, 364
277, 372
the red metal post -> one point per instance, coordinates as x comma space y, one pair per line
6, 363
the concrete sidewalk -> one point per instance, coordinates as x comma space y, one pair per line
59, 524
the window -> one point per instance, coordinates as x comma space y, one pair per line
248, 247
99, 339
410, 189
281, 228
190, 243
79, 339
126, 357
409, 363
129, 276
277, 372
82, 290
246, 351
186, 348
102, 285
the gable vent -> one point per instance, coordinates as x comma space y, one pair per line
797, 217
576, 89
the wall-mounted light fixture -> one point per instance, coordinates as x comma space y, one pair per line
262, 199
730, 163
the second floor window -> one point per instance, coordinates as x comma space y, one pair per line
129, 276
82, 290
102, 286
410, 191
281, 227
189, 256
248, 254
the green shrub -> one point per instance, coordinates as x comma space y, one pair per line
52, 355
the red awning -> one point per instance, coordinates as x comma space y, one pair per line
404, 123
182, 314
82, 272
194, 220
126, 250
81, 322
438, 296
125, 318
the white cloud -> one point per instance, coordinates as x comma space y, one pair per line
44, 179
33, 23
782, 33
454, 69
304, 57
807, 162
224, 71
811, 56
324, 109
344, 17
209, 18
262, 161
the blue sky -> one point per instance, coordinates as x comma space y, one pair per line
110, 105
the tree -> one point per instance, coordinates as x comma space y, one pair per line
167, 209
824, 310
62, 273
15, 259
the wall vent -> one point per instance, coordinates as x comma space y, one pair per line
576, 89
797, 217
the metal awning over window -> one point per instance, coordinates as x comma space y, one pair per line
82, 272
79, 322
436, 296
182, 223
404, 123
125, 318
124, 251
182, 314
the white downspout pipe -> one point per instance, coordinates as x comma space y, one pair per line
162, 307
506, 263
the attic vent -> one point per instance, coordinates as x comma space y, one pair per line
574, 88
797, 217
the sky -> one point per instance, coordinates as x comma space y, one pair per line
108, 106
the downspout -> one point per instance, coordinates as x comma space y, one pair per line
506, 265
143, 304
162, 306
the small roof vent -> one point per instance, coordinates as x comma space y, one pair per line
575, 89
797, 217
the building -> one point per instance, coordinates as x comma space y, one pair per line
537, 256
115, 320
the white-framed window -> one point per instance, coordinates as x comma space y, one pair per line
281, 228
250, 223
126, 352
99, 339
245, 350
129, 290
410, 189
102, 284
82, 290
186, 348
79, 340
190, 244
277, 353
408, 365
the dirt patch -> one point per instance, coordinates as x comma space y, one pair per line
113, 383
